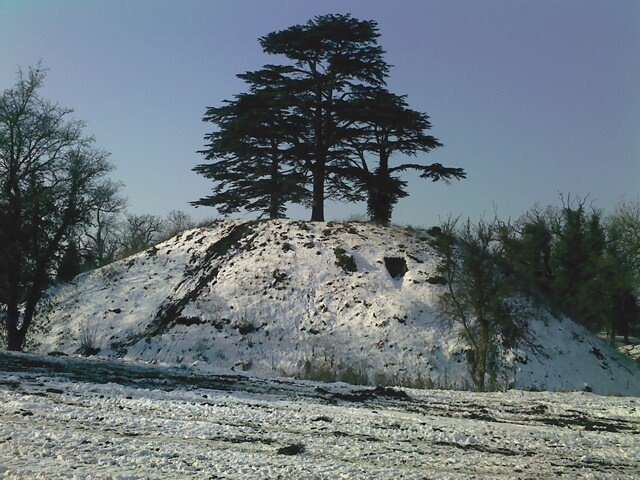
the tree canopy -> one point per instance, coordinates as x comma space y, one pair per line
384, 125
580, 261
320, 126
253, 155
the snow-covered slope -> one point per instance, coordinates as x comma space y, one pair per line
280, 298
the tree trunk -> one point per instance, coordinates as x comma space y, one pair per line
273, 207
15, 341
276, 193
14, 258
612, 334
381, 197
481, 371
14, 337
317, 207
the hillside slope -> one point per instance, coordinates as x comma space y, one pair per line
306, 299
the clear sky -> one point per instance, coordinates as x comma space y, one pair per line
532, 98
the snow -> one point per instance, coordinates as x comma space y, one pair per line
269, 298
72, 418
632, 351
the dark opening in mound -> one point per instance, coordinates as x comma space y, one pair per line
397, 266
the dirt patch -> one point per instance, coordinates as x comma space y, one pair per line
390, 393
368, 394
188, 321
206, 272
437, 280
581, 421
295, 449
485, 449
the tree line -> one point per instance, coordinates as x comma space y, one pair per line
573, 259
105, 238
322, 125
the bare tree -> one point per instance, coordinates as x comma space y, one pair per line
50, 176
177, 221
139, 231
99, 238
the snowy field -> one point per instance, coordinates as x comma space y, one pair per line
76, 418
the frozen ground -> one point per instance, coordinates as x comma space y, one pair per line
76, 418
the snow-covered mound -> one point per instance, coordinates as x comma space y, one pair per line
351, 301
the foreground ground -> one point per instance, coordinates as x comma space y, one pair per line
72, 418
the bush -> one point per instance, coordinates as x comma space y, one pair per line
88, 342
345, 260
478, 297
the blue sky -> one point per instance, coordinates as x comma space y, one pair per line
531, 98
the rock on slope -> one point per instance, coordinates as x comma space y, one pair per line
307, 299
